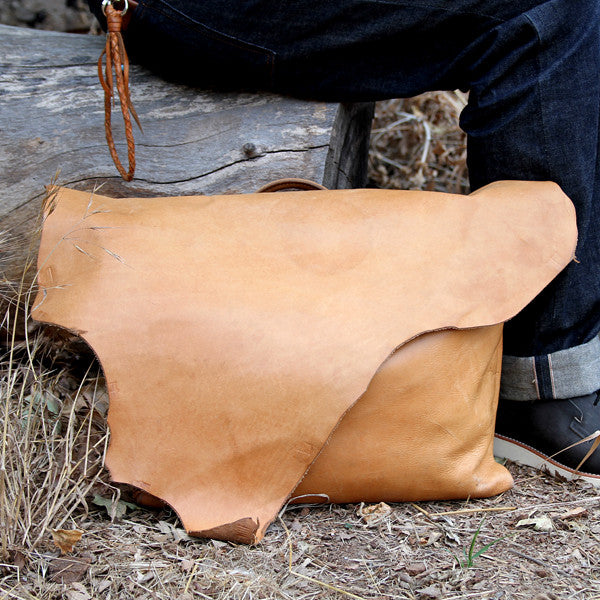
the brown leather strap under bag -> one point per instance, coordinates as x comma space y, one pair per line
337, 345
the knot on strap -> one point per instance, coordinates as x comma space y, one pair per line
114, 20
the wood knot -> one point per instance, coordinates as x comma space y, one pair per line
250, 150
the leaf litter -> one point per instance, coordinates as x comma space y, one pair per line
66, 539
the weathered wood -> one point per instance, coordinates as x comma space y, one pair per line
194, 142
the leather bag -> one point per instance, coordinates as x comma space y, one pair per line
337, 346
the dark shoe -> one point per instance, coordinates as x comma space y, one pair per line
540, 433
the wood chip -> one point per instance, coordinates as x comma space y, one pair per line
374, 513
431, 591
67, 569
415, 568
77, 592
538, 523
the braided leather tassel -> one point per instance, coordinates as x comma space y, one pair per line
116, 57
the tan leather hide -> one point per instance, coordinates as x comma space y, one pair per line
237, 333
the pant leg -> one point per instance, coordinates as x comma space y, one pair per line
544, 124
532, 68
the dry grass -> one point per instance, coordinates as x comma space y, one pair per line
416, 144
54, 436
53, 439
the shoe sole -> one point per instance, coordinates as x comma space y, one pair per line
505, 447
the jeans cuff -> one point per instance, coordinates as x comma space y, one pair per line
563, 374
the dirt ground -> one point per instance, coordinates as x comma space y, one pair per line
413, 552
538, 541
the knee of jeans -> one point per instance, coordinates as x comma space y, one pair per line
564, 24
534, 44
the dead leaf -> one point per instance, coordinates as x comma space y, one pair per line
374, 513
96, 395
431, 591
115, 510
574, 513
18, 559
66, 569
175, 533
416, 569
434, 536
77, 592
576, 555
101, 586
65, 539
296, 525
539, 523
452, 537
187, 565
161, 538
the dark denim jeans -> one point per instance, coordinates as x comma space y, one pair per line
533, 71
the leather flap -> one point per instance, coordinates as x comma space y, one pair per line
235, 331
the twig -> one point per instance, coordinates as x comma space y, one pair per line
527, 557
463, 511
189, 581
427, 142
420, 509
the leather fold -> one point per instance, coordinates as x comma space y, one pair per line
238, 334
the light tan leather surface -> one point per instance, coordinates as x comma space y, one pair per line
235, 331
423, 430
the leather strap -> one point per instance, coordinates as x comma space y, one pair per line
290, 183
116, 56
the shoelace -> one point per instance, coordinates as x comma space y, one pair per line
116, 58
